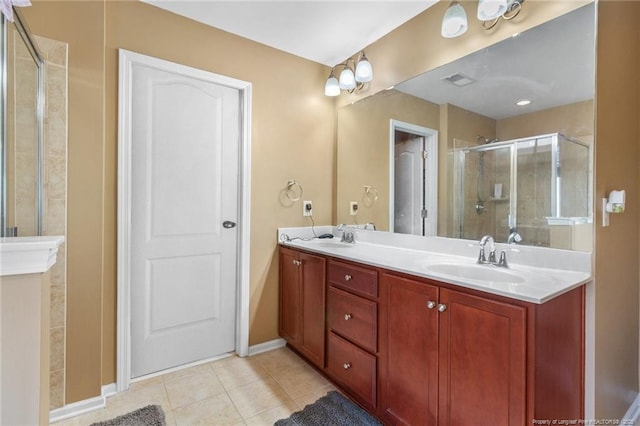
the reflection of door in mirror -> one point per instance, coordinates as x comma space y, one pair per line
414, 180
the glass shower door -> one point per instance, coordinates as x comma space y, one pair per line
22, 121
486, 178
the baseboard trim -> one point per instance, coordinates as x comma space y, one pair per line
98, 402
266, 346
632, 416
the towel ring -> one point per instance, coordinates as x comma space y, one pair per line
293, 193
370, 195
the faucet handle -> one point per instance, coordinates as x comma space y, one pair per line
503, 260
481, 258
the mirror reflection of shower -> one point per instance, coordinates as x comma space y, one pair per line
534, 189
482, 198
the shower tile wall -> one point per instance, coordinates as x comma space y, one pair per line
22, 130
55, 201
534, 196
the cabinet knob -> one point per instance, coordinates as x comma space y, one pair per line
297, 262
431, 304
442, 307
347, 277
347, 365
347, 317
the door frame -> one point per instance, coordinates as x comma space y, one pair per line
126, 59
431, 164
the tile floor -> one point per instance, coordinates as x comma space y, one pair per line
256, 390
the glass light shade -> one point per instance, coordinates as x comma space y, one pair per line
491, 9
347, 79
331, 87
364, 70
454, 22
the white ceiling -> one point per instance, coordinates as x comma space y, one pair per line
324, 31
552, 64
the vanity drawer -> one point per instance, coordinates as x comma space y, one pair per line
354, 278
353, 368
353, 317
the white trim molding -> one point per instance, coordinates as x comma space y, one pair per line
266, 346
126, 61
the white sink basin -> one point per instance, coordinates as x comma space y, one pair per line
330, 243
476, 272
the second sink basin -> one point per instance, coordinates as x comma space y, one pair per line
476, 272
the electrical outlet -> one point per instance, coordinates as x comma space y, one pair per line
353, 208
307, 208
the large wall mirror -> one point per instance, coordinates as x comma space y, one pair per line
498, 142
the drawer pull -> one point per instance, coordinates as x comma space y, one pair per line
347, 365
347, 277
442, 307
297, 262
431, 304
347, 317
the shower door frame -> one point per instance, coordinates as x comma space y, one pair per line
513, 181
24, 33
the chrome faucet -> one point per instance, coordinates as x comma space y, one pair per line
370, 225
514, 237
488, 243
347, 235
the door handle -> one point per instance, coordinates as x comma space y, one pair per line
228, 224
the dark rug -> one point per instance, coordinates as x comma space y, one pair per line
332, 409
151, 415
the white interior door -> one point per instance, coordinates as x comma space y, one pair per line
409, 186
413, 179
185, 133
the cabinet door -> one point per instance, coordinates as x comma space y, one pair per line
481, 359
409, 350
289, 323
313, 307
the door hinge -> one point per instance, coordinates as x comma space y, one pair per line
425, 155
424, 213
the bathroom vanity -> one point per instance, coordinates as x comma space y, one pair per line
413, 345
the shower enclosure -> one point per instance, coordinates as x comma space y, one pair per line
22, 71
536, 186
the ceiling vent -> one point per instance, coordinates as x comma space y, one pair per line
458, 79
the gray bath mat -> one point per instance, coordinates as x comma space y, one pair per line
151, 415
332, 409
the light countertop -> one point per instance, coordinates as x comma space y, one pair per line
534, 275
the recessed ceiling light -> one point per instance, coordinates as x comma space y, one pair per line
523, 102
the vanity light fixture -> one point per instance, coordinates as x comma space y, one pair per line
351, 77
454, 22
490, 11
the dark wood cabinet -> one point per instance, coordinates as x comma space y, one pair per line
481, 361
460, 357
352, 330
415, 351
302, 303
409, 353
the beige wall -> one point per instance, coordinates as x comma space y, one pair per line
293, 138
616, 248
81, 25
363, 151
573, 120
